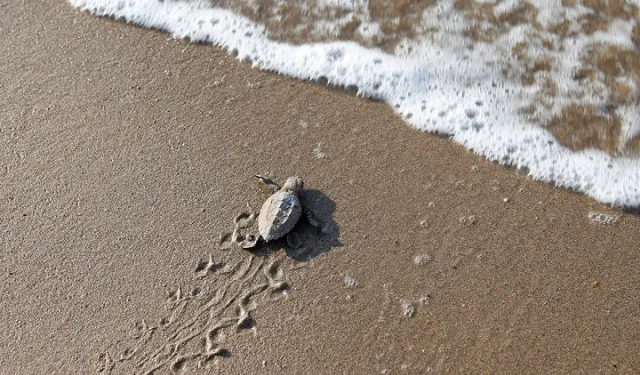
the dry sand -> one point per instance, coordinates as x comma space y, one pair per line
125, 155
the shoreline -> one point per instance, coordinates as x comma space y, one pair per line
128, 154
568, 149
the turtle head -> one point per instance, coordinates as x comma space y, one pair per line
293, 184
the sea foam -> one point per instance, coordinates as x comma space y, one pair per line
439, 83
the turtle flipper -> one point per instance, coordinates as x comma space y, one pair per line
294, 241
312, 219
268, 183
250, 242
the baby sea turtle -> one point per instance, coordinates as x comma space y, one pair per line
280, 213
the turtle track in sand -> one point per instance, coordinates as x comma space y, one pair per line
202, 317
215, 305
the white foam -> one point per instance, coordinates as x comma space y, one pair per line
602, 218
630, 123
441, 86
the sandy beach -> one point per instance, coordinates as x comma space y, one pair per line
126, 155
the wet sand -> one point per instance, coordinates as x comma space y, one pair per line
127, 154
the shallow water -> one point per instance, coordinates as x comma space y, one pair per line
550, 87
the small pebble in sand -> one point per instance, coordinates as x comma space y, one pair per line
505, 200
424, 300
431, 205
421, 259
471, 219
408, 309
318, 153
596, 284
350, 282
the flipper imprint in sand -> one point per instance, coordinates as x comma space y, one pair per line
201, 319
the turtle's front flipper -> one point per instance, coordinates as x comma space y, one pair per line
245, 219
268, 183
250, 242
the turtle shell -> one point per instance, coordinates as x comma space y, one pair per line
278, 215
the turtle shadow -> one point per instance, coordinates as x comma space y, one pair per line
313, 241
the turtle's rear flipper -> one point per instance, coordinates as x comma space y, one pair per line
268, 183
311, 218
250, 242
294, 241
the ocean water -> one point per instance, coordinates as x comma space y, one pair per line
551, 87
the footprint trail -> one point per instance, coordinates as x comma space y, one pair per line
200, 323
